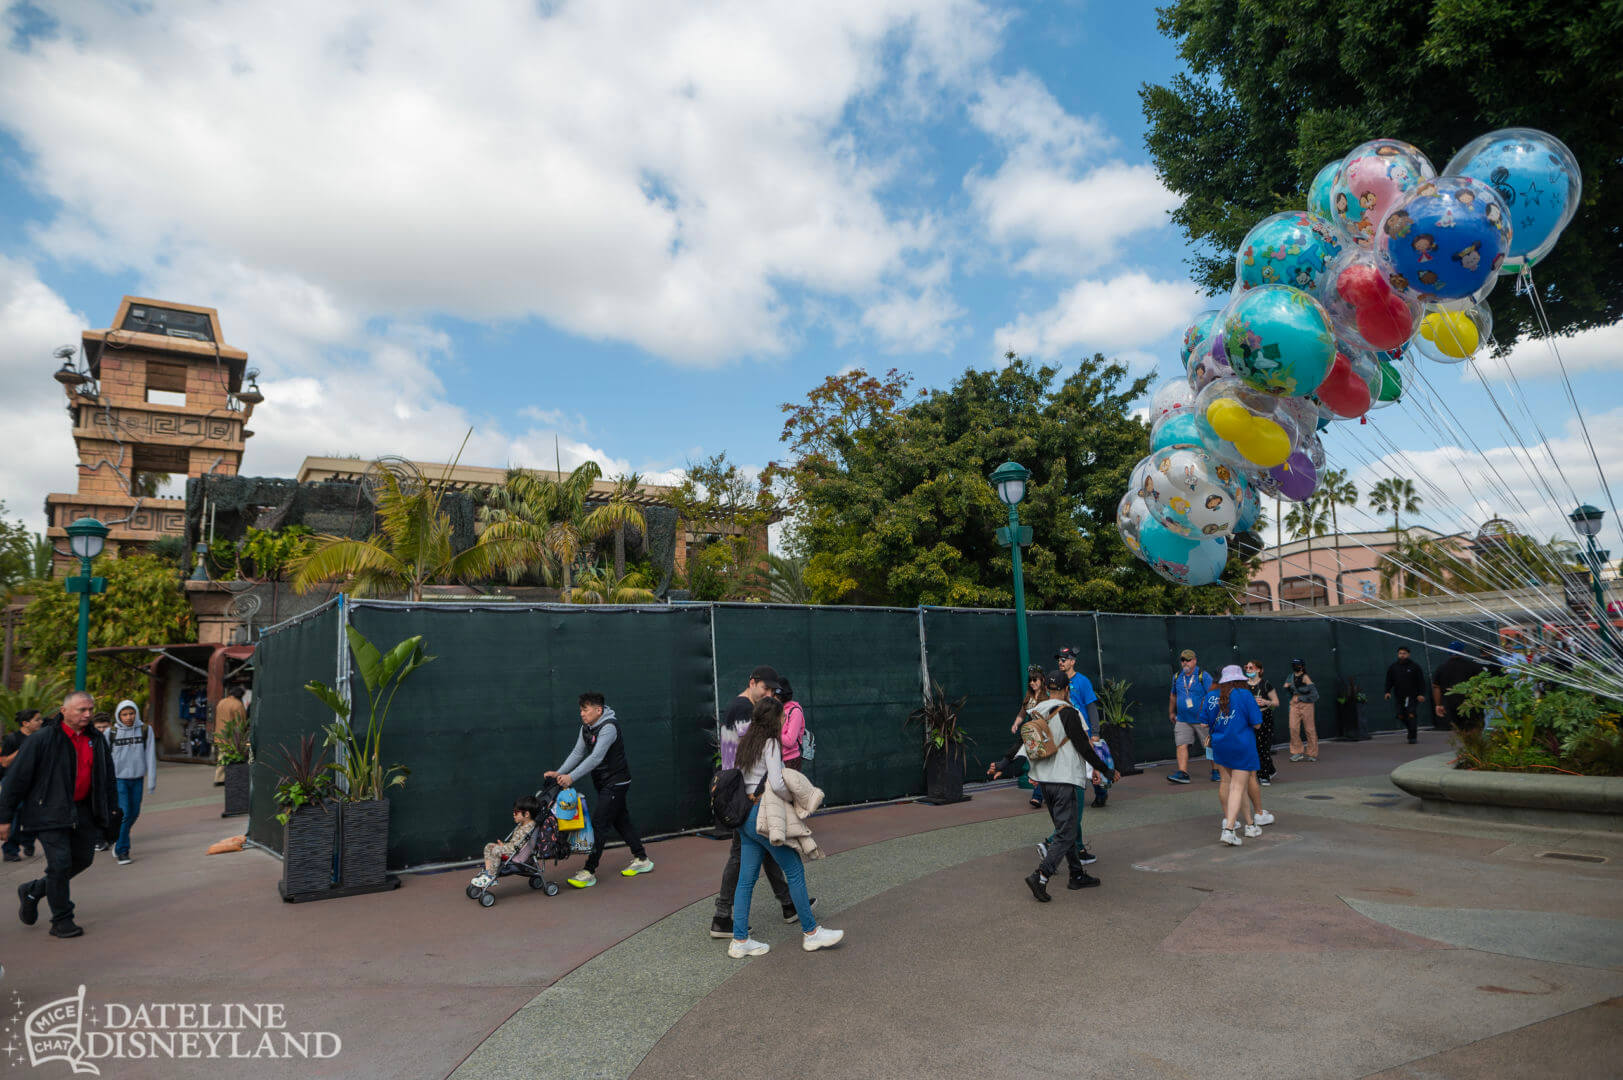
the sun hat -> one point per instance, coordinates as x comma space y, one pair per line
1232, 673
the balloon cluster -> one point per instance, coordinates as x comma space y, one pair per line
1389, 260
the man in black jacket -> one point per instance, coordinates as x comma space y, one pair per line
1406, 684
61, 785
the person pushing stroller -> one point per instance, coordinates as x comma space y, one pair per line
600, 750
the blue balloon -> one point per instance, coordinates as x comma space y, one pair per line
1445, 240
1291, 248
1537, 177
1250, 510
1178, 430
1184, 562
1318, 192
1198, 331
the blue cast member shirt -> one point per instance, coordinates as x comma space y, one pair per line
1189, 694
1082, 696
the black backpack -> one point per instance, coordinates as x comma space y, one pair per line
729, 802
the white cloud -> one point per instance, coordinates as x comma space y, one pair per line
1060, 196
1600, 349
666, 181
1125, 312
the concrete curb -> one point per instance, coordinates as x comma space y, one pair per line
1593, 802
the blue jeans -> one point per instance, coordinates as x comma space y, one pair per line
753, 850
129, 801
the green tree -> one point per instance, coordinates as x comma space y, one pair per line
601, 585
617, 515
1422, 566
541, 520
1307, 519
19, 560
1275, 90
719, 499
786, 580
892, 503
1337, 491
143, 605
1395, 496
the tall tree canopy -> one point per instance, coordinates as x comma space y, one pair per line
891, 505
1277, 89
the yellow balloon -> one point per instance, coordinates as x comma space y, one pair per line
1228, 418
1264, 443
1454, 333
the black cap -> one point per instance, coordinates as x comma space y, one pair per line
1298, 662
1067, 652
783, 691
765, 674
1056, 680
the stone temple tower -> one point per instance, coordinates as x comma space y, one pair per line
160, 395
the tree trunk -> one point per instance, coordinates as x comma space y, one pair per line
1279, 554
1335, 533
619, 553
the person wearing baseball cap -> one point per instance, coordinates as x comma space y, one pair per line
1189, 689
1086, 702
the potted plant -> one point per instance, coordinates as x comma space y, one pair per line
232, 746
309, 820
1116, 724
944, 742
363, 825
1351, 725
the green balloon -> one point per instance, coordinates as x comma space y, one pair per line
1391, 382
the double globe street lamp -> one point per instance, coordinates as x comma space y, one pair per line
1587, 521
86, 539
1009, 481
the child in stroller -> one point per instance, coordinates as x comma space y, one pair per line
534, 839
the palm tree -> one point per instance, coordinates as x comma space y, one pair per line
600, 585
615, 516
539, 520
1306, 520
411, 547
786, 580
1420, 566
1394, 495
1337, 491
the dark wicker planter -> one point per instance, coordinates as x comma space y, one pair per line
364, 843
944, 775
307, 850
1120, 741
236, 789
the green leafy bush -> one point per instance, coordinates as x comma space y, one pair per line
1528, 731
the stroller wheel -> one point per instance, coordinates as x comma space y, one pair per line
538, 882
473, 892
487, 900
552, 890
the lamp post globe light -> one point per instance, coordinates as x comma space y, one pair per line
1587, 521
86, 539
1009, 481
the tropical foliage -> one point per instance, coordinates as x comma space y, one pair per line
1530, 729
1272, 91
24, 556
143, 605
361, 764
730, 507
786, 580
260, 554
547, 526
303, 778
615, 516
44, 694
600, 585
1423, 566
1114, 705
1394, 496
938, 719
231, 744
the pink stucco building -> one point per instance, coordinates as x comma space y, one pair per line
1330, 570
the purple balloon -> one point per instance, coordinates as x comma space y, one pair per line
1220, 352
1297, 477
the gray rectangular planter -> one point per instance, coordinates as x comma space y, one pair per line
236, 789
364, 843
307, 851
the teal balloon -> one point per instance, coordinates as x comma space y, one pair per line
1318, 192
1178, 430
1198, 331
1291, 248
1183, 562
1279, 340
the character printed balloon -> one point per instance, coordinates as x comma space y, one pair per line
1371, 180
1291, 248
1538, 179
1319, 195
1130, 518
1198, 331
1206, 365
1192, 493
1279, 340
1182, 561
1446, 240
1250, 509
1362, 304
1179, 430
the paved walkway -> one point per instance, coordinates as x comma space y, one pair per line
1359, 935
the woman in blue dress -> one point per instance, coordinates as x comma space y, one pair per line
1231, 712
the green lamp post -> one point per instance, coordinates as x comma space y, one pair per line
86, 538
1009, 481
1587, 521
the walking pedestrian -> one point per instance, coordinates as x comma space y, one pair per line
63, 782
135, 767
794, 725
1267, 701
735, 722
1036, 693
1304, 727
20, 840
600, 750
1086, 702
226, 710
1449, 674
1232, 714
1189, 689
760, 759
1062, 770
1406, 688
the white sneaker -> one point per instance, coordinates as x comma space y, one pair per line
581, 879
740, 949
1230, 839
123, 860
821, 938
1298, 757
1253, 831
1263, 817
481, 882
637, 866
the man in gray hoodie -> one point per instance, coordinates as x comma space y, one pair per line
601, 751
135, 766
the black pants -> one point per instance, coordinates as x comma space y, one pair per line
610, 809
18, 838
729, 881
1064, 811
67, 852
1265, 746
1408, 714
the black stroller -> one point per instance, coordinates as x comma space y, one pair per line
544, 843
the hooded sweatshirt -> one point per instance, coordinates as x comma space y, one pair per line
600, 751
135, 751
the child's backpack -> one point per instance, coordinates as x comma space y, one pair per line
570, 810
1035, 734
808, 745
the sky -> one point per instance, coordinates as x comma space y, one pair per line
578, 230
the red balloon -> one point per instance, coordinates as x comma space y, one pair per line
1360, 284
1342, 391
1386, 324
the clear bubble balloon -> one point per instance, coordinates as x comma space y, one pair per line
1205, 364
1171, 397
1279, 340
1130, 518
1453, 336
1180, 430
1445, 240
1538, 179
1345, 391
1191, 493
1297, 478
1363, 305
1292, 248
1319, 193
1370, 181
1243, 427
1180, 560
1198, 330
1386, 382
